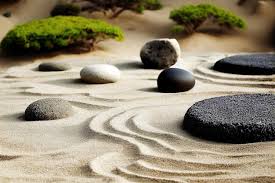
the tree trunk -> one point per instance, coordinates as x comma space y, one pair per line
116, 14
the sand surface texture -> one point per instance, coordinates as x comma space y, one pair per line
127, 131
124, 131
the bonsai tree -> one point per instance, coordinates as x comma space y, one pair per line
191, 17
56, 33
116, 7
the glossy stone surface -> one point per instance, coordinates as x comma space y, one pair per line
53, 66
48, 109
253, 64
233, 119
175, 80
160, 53
100, 74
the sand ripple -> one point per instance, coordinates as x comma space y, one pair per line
205, 72
124, 131
167, 154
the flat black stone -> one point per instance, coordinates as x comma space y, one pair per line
175, 80
233, 119
253, 64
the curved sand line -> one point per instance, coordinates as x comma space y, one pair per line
206, 73
125, 131
117, 126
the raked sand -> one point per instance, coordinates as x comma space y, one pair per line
125, 131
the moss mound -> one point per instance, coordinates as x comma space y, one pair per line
192, 16
56, 33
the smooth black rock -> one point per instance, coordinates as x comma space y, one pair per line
233, 119
7, 14
48, 109
253, 64
160, 53
52, 66
175, 80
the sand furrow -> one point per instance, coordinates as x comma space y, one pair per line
131, 114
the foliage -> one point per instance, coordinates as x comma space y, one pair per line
119, 6
152, 5
65, 10
56, 33
192, 16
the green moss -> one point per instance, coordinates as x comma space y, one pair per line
192, 16
66, 10
57, 32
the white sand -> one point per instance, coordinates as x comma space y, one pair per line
127, 131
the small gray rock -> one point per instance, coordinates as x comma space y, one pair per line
53, 66
48, 109
160, 53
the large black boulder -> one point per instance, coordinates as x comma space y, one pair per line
233, 119
253, 64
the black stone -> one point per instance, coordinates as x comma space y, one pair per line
233, 119
253, 64
48, 109
159, 54
175, 80
7, 14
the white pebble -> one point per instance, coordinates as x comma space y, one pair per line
100, 74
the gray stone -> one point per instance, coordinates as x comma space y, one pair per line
160, 53
233, 119
53, 66
48, 109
